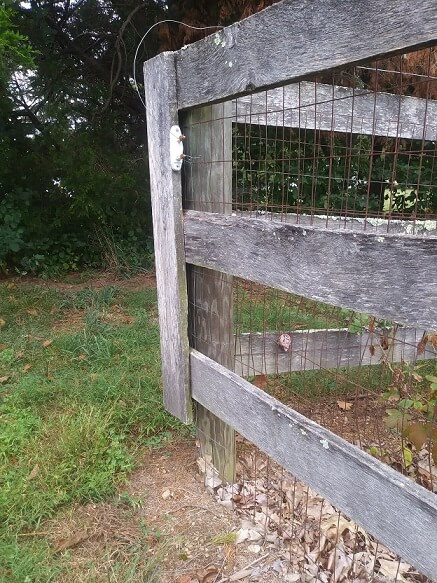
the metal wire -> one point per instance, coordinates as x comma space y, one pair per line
366, 380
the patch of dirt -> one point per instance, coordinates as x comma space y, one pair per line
71, 321
116, 315
267, 527
163, 510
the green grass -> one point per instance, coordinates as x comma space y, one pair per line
262, 309
77, 400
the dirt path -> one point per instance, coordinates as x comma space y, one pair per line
166, 513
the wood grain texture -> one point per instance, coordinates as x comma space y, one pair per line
392, 277
339, 109
259, 353
393, 508
208, 186
345, 223
160, 91
292, 39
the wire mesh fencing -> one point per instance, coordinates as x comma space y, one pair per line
352, 151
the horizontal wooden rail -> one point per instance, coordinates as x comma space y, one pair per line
292, 39
392, 277
393, 508
259, 353
346, 223
339, 109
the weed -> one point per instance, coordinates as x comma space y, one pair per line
26, 561
225, 538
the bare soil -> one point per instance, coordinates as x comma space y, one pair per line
166, 510
77, 281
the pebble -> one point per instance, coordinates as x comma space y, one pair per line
254, 548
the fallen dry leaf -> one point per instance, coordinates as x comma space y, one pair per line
241, 575
208, 575
186, 579
417, 433
4, 380
47, 343
26, 367
422, 344
344, 405
393, 569
71, 541
32, 312
33, 474
260, 381
2, 323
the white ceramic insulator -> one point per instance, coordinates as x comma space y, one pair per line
176, 148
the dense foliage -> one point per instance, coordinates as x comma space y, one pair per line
318, 171
73, 173
74, 177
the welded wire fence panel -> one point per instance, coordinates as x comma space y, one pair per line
354, 152
304, 537
360, 143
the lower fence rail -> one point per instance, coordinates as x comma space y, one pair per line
391, 507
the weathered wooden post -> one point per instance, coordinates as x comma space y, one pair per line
208, 188
165, 184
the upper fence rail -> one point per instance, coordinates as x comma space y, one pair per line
316, 106
290, 41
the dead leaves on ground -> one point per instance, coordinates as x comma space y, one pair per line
34, 473
260, 381
431, 338
344, 405
278, 511
72, 541
207, 575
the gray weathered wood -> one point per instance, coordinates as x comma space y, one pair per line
378, 225
293, 39
208, 186
340, 109
392, 277
393, 508
259, 353
160, 91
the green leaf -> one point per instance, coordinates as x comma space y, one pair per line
408, 456
396, 419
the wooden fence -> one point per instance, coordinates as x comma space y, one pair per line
202, 359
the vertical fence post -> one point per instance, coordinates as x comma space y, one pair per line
208, 187
166, 191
